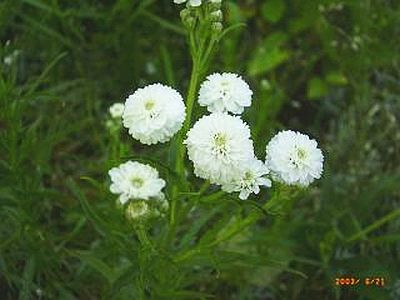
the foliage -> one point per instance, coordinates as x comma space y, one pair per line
325, 67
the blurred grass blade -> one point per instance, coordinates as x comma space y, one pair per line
375, 225
97, 221
33, 86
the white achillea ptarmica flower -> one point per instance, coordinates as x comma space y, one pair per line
218, 144
116, 110
249, 179
193, 3
133, 181
226, 92
153, 114
294, 158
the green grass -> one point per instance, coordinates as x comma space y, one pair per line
333, 73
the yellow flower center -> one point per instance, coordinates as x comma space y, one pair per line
149, 105
301, 153
137, 182
220, 143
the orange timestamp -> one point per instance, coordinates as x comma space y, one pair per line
354, 281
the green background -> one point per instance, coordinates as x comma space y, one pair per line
327, 68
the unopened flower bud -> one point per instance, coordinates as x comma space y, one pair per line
216, 27
137, 210
187, 19
215, 5
217, 16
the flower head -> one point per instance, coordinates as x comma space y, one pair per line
249, 179
190, 2
226, 92
294, 158
133, 181
154, 114
217, 145
116, 110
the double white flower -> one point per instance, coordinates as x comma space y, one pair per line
249, 179
153, 114
135, 181
218, 144
294, 158
226, 92
220, 147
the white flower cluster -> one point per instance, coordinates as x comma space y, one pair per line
221, 149
218, 144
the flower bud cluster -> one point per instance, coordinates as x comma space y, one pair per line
215, 16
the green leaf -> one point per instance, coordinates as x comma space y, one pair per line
273, 10
317, 88
266, 61
28, 277
97, 264
336, 78
97, 221
269, 55
185, 295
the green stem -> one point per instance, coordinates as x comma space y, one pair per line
143, 238
199, 54
252, 218
191, 96
179, 165
249, 220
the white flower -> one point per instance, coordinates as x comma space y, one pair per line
226, 92
154, 114
191, 2
116, 110
133, 180
294, 158
217, 145
249, 180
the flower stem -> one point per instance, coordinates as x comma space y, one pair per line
200, 54
143, 237
179, 164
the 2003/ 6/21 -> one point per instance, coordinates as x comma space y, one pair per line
368, 281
